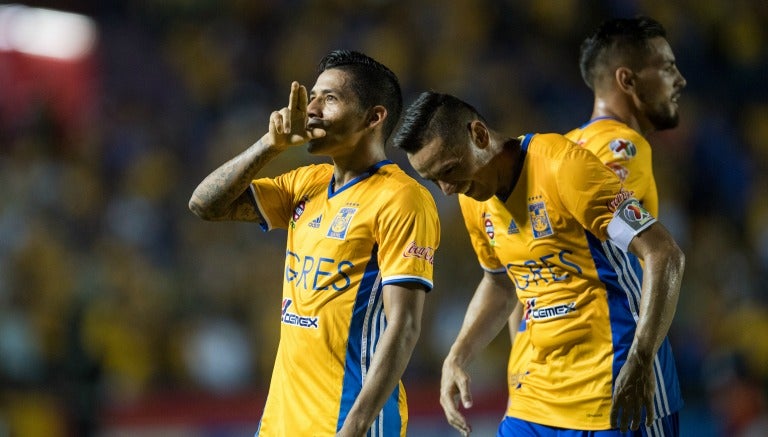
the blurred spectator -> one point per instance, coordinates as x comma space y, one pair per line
737, 398
111, 292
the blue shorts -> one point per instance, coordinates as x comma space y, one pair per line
664, 427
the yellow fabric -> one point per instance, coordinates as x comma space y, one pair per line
538, 238
343, 247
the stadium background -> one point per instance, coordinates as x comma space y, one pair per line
123, 314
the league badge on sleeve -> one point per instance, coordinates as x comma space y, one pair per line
623, 149
629, 219
634, 214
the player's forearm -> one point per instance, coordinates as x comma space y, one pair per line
214, 196
662, 278
487, 314
389, 362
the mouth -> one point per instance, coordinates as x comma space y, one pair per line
312, 124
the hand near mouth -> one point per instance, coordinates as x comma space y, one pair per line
289, 126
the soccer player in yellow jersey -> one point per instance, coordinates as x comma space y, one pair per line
362, 237
630, 67
540, 212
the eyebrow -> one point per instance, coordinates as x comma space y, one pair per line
322, 91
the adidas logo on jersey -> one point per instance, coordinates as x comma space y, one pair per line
316, 222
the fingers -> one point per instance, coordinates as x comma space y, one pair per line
276, 123
636, 412
454, 387
293, 98
628, 415
316, 133
464, 392
303, 100
280, 122
452, 414
649, 416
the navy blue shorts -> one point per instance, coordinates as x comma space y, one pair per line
664, 427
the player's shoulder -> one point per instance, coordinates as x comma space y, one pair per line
612, 133
399, 188
309, 170
548, 146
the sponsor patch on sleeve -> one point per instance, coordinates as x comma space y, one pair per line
629, 219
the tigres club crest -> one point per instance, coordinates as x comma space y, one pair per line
340, 223
539, 220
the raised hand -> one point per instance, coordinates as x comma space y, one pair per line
288, 126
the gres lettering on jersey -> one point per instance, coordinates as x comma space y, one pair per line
343, 247
580, 292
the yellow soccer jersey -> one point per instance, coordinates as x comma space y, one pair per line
343, 247
626, 152
580, 293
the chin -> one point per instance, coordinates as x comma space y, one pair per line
315, 147
479, 196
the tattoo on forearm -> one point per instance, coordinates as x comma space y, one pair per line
223, 193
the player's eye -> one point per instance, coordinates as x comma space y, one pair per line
450, 170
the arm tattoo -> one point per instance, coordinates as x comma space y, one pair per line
223, 195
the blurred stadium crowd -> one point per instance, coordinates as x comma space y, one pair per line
112, 292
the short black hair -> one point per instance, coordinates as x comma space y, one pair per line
617, 40
430, 115
372, 82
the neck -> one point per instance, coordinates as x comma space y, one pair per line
509, 166
352, 165
616, 107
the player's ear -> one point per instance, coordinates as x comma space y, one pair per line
478, 132
376, 116
625, 79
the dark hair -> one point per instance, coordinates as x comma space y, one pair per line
430, 115
617, 40
372, 82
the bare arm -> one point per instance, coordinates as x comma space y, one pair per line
662, 276
487, 313
403, 305
514, 321
223, 194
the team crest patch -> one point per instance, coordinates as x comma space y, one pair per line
634, 214
340, 223
623, 149
539, 220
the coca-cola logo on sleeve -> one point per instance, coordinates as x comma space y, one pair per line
413, 250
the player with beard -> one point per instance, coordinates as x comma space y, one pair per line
542, 214
630, 67
359, 260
